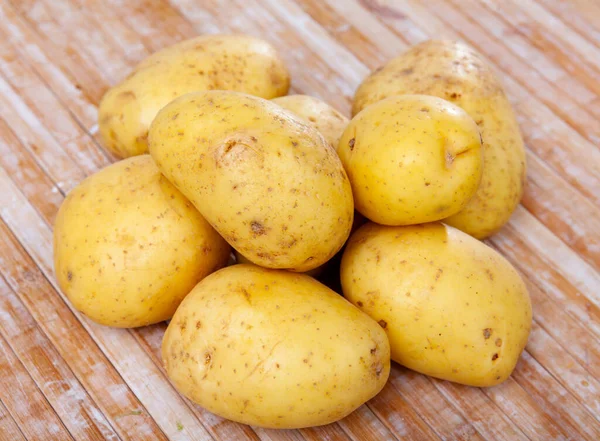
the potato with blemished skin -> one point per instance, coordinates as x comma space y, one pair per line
128, 246
411, 159
452, 307
457, 73
315, 272
328, 121
266, 181
225, 62
274, 349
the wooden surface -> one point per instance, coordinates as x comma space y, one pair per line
62, 377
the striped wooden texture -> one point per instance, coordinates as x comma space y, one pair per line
64, 378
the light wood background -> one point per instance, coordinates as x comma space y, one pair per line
64, 378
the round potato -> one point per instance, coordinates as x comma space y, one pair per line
128, 246
267, 182
459, 74
328, 121
411, 159
271, 348
227, 62
452, 307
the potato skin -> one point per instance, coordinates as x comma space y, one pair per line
327, 120
411, 159
457, 73
267, 182
128, 246
229, 62
270, 348
453, 308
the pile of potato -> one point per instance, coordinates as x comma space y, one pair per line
433, 160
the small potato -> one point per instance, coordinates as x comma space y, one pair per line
411, 159
457, 73
128, 246
452, 307
267, 182
274, 349
328, 121
226, 62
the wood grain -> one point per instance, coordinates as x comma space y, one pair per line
63, 377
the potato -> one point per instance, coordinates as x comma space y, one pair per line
128, 246
316, 272
457, 73
230, 62
411, 159
328, 121
267, 182
274, 349
453, 308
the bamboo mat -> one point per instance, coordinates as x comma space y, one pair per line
64, 378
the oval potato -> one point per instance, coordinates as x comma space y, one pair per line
328, 121
229, 62
411, 159
459, 74
271, 348
267, 182
128, 246
452, 307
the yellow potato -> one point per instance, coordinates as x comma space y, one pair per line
274, 349
128, 246
265, 181
228, 62
411, 159
457, 73
453, 308
328, 121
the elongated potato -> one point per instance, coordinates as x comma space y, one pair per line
452, 307
411, 159
227, 62
128, 246
457, 73
267, 182
274, 349
328, 121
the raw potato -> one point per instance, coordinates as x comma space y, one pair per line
328, 121
229, 62
274, 349
411, 159
128, 246
457, 73
265, 181
453, 308
316, 272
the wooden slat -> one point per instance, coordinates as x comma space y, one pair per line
9, 430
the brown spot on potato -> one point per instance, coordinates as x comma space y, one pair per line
351, 144
498, 342
489, 274
207, 357
246, 294
382, 323
257, 228
69, 276
378, 368
487, 333
360, 304
495, 357
198, 324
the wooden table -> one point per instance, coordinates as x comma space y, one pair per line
62, 377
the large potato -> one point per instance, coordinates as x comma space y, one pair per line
457, 73
228, 62
267, 182
453, 308
128, 246
328, 121
411, 159
274, 349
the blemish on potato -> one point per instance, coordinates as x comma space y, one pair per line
498, 342
495, 357
351, 144
257, 228
69, 276
487, 333
382, 323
